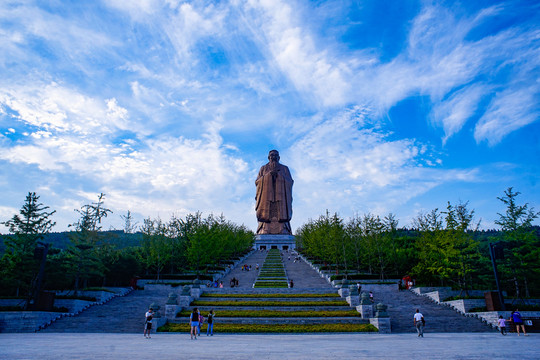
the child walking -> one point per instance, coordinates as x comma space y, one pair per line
502, 325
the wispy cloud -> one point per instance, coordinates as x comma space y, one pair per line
170, 106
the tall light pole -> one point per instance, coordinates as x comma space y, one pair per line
40, 253
496, 252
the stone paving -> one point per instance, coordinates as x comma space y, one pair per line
446, 346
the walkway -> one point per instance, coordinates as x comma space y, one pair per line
45, 346
303, 276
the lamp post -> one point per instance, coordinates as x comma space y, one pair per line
40, 253
496, 252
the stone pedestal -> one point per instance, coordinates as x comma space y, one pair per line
195, 293
353, 300
268, 241
344, 290
171, 311
366, 311
383, 324
184, 301
171, 307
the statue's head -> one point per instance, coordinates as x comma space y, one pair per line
273, 156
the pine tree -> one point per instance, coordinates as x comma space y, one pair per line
27, 228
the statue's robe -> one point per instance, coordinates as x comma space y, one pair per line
274, 200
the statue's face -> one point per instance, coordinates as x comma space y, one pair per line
273, 156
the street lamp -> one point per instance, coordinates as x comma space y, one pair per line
496, 252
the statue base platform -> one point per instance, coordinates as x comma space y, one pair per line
270, 241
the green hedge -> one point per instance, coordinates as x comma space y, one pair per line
277, 313
363, 277
267, 284
218, 295
276, 328
269, 303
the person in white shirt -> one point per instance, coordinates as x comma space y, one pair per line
418, 319
148, 322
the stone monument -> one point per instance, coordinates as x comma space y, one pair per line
273, 205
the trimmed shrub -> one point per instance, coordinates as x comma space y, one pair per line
269, 303
278, 313
274, 328
218, 295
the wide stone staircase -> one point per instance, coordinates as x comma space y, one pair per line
120, 315
126, 314
403, 304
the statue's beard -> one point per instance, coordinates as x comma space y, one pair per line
273, 164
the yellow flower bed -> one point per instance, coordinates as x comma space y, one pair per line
278, 313
277, 328
217, 295
269, 303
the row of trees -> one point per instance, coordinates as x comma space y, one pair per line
94, 257
443, 248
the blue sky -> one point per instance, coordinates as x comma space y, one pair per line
171, 107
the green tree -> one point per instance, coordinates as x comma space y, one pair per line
87, 248
523, 255
156, 246
430, 266
27, 228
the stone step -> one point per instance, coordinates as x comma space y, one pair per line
403, 304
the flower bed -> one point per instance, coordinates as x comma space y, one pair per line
218, 295
269, 303
277, 313
271, 284
277, 328
272, 274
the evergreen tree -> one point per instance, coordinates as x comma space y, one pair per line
522, 261
86, 249
28, 227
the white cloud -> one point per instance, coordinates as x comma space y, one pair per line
453, 113
56, 108
311, 70
349, 165
507, 112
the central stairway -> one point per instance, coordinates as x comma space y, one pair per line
126, 314
312, 304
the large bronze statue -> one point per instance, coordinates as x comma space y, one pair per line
274, 197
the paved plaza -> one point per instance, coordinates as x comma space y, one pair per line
44, 346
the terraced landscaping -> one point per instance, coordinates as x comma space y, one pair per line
280, 313
268, 305
274, 328
264, 303
235, 295
272, 273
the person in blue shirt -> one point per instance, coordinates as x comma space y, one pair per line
518, 321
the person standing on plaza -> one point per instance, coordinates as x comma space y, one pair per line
502, 325
148, 323
210, 321
419, 322
518, 321
201, 321
194, 323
